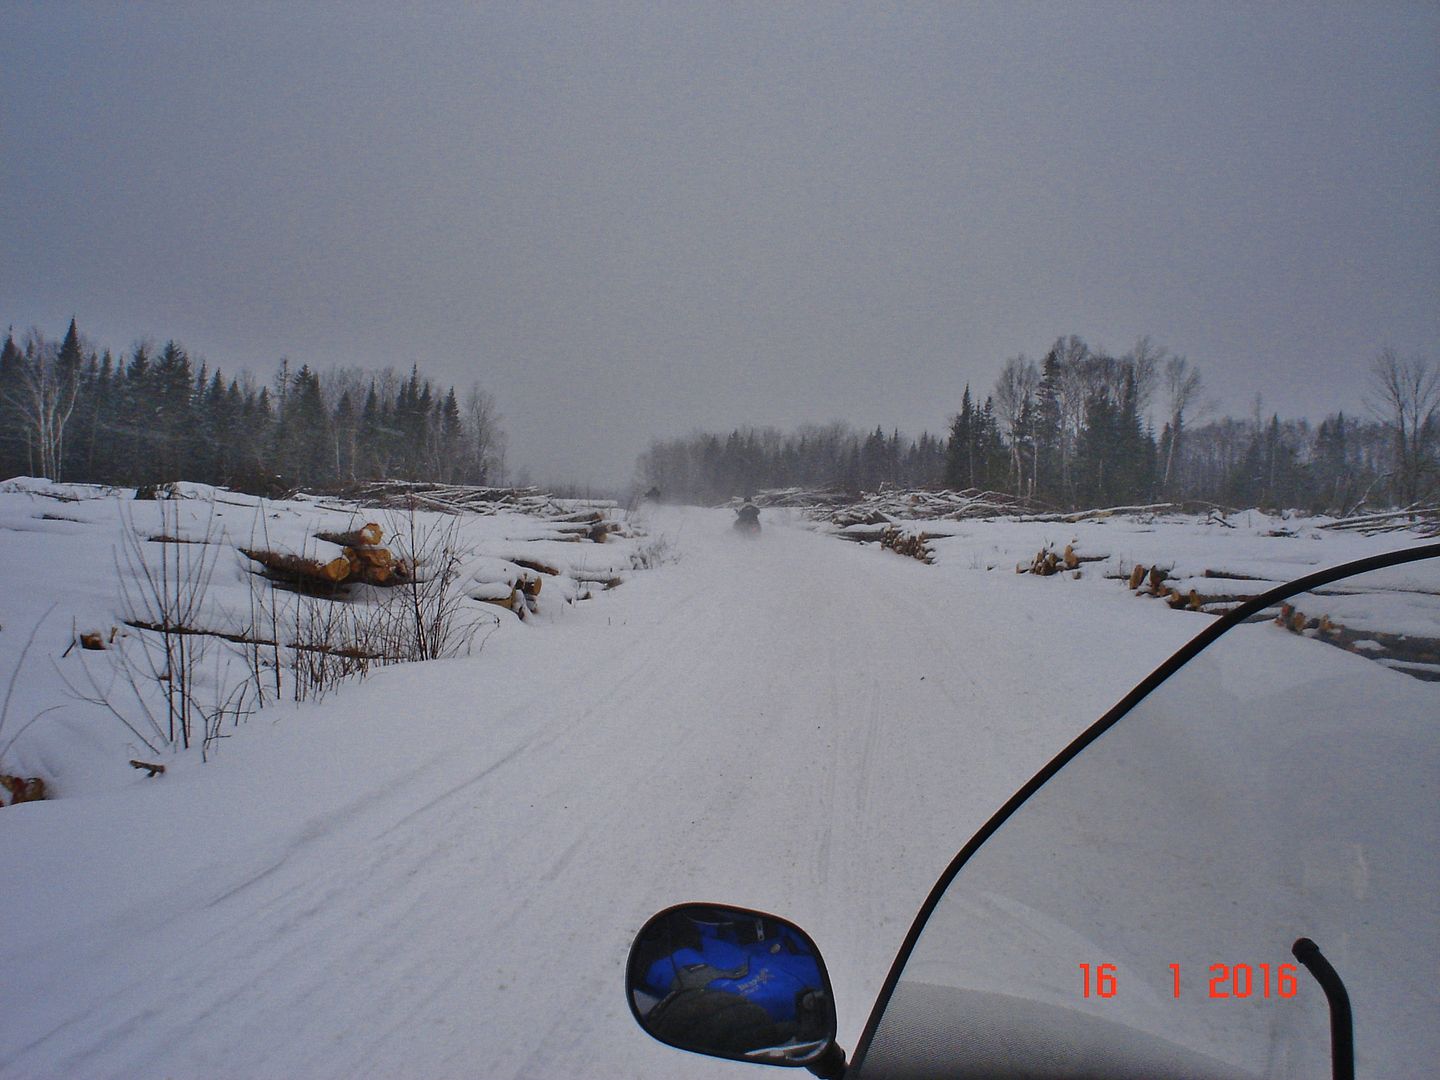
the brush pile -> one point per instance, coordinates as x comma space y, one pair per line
453, 498
890, 506
1422, 520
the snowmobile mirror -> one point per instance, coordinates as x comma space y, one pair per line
735, 984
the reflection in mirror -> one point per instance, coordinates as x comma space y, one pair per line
731, 983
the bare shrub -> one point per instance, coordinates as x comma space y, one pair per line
426, 618
10, 690
333, 641
318, 641
156, 682
166, 601
654, 552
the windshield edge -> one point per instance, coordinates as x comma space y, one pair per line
1182, 656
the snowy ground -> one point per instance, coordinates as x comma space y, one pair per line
438, 871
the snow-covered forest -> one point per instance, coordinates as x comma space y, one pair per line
1080, 428
70, 411
1077, 430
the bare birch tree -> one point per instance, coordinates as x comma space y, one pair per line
1146, 357
1014, 404
1182, 387
1405, 396
484, 439
43, 399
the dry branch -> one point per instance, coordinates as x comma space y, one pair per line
349, 652
1422, 519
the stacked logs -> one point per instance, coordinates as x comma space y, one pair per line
1421, 519
521, 599
1156, 581
591, 525
362, 559
890, 506
1048, 562
451, 498
916, 545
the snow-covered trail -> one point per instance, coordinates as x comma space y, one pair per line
438, 872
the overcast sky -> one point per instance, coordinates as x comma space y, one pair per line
630, 221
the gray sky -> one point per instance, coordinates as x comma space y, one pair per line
628, 221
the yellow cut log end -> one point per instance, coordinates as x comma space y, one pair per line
336, 570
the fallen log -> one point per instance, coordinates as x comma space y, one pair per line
350, 652
332, 572
1233, 575
367, 536
518, 600
538, 567
152, 768
1416, 514
1091, 515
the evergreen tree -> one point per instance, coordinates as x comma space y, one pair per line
12, 440
1333, 484
98, 463
960, 452
345, 433
1046, 427
452, 437
370, 453
172, 437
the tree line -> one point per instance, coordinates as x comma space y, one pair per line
72, 412
1074, 430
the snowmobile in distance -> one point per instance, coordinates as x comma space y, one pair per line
1232, 873
747, 519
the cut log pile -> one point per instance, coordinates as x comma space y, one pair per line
521, 598
1229, 588
454, 498
800, 498
1421, 519
590, 525
22, 788
1048, 562
1103, 512
888, 507
908, 542
1414, 655
362, 559
891, 506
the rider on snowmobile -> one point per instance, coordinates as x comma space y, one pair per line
745, 984
747, 518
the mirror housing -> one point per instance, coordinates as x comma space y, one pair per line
733, 983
